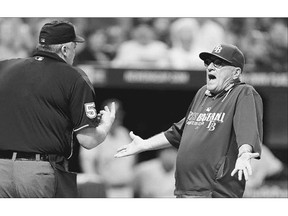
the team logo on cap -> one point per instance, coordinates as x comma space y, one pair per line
218, 49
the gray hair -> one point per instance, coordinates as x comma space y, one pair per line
53, 48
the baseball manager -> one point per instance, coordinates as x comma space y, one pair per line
221, 132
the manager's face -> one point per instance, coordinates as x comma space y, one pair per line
219, 74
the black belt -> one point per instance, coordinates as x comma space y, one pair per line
15, 155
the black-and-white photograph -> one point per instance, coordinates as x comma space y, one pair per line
143, 107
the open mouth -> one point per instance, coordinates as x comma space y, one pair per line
211, 77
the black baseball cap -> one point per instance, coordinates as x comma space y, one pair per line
58, 32
226, 52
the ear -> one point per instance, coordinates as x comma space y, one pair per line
236, 73
64, 50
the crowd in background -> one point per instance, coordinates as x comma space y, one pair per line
163, 42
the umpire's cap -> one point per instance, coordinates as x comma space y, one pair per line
58, 32
228, 53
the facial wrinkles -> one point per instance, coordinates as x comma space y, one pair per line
227, 82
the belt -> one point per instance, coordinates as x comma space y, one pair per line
23, 156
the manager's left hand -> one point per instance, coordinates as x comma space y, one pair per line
243, 165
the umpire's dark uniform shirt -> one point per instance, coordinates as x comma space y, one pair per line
42, 101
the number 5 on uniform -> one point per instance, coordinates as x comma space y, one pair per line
90, 110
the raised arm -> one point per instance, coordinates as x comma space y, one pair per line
92, 137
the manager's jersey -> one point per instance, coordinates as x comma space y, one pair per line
42, 101
209, 137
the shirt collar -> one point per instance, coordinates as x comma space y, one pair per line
50, 55
230, 86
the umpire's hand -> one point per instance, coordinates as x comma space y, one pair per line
108, 116
243, 165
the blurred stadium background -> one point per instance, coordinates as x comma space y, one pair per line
151, 65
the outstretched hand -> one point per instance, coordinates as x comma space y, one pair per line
243, 165
136, 146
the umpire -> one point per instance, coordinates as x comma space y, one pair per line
44, 101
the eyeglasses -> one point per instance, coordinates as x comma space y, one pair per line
217, 63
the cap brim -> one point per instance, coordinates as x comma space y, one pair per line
79, 39
206, 55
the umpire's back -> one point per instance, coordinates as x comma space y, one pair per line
43, 101
34, 97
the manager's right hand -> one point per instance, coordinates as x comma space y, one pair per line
136, 146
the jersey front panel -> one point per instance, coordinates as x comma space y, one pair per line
209, 143
45, 100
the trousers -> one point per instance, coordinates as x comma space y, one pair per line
26, 179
